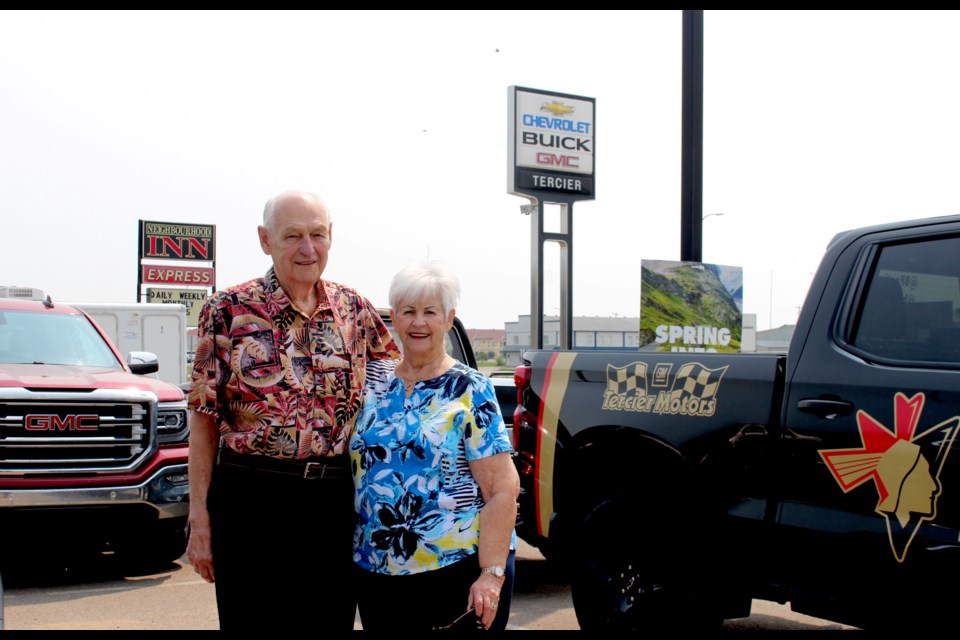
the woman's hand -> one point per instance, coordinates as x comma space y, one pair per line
485, 597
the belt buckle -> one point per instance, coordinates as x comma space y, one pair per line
309, 475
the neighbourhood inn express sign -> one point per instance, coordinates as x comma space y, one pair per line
173, 253
176, 241
552, 145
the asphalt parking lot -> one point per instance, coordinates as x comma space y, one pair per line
96, 594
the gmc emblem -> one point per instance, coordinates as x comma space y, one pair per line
46, 422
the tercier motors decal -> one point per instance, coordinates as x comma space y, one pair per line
904, 466
692, 391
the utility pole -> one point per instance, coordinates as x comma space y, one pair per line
691, 158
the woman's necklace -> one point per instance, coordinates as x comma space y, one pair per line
410, 380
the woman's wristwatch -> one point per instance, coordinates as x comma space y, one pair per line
495, 570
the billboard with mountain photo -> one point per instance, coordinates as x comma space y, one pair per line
690, 306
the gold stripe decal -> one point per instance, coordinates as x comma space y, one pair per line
555, 382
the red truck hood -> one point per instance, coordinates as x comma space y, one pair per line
62, 376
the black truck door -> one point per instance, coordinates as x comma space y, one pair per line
870, 509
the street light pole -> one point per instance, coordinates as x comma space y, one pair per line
702, 218
770, 321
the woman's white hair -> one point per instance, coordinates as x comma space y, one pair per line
420, 280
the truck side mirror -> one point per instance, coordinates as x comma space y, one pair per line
143, 362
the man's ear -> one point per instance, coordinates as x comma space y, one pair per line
264, 239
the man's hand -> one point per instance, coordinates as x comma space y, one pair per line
200, 553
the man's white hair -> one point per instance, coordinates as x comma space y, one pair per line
269, 209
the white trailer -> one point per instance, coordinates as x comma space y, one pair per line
145, 326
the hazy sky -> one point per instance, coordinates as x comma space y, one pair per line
814, 121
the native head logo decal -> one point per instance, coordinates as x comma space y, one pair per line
904, 466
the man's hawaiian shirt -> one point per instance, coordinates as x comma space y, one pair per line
279, 383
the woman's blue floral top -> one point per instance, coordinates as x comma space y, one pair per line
417, 503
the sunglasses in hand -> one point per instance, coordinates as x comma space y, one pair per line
453, 624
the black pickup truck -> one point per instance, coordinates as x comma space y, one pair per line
678, 487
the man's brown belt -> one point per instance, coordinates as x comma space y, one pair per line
313, 469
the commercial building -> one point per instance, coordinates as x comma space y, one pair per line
617, 334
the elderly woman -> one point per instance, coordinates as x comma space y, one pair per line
436, 489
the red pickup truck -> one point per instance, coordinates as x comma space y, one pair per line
93, 449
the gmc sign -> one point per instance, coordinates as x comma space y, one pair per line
46, 422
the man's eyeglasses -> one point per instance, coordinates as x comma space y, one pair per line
454, 623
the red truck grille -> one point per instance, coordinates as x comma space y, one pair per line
75, 432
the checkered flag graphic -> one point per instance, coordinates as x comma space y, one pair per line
696, 380
632, 377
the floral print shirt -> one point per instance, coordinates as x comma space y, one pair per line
418, 505
279, 383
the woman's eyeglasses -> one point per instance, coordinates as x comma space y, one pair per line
459, 618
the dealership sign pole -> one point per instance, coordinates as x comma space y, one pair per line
550, 159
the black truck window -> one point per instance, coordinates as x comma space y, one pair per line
912, 308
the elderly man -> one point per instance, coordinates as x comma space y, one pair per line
277, 379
